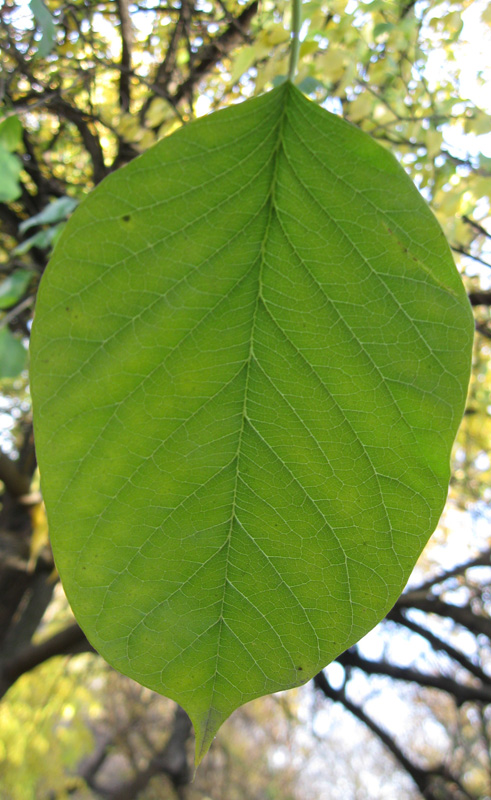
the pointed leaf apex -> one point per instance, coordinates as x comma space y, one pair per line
206, 726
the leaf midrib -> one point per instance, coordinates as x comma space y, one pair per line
270, 204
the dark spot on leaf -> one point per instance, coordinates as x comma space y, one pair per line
126, 217
300, 669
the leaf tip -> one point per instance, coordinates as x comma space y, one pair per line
206, 727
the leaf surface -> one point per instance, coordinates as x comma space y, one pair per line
250, 358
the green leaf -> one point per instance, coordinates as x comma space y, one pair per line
242, 62
42, 239
10, 165
250, 358
10, 169
10, 134
46, 25
13, 354
309, 85
54, 212
382, 27
13, 287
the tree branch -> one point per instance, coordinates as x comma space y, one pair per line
423, 778
419, 776
45, 186
469, 255
480, 298
210, 54
81, 121
14, 481
126, 32
461, 615
69, 641
482, 560
165, 70
171, 761
482, 328
438, 644
461, 692
10, 221
475, 225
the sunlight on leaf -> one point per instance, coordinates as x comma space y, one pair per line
250, 358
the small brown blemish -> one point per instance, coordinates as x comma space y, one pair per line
126, 217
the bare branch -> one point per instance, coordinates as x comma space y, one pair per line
438, 644
419, 776
171, 761
10, 221
69, 641
461, 615
210, 54
475, 225
466, 253
15, 482
482, 328
423, 778
480, 298
482, 560
459, 691
82, 122
126, 32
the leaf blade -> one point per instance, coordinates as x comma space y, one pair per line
253, 319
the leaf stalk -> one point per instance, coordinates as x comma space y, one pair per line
295, 38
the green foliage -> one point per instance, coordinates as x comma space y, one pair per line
47, 26
43, 731
10, 164
13, 354
43, 240
13, 287
250, 359
10, 169
52, 217
10, 134
56, 211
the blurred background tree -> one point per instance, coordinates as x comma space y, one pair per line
87, 86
